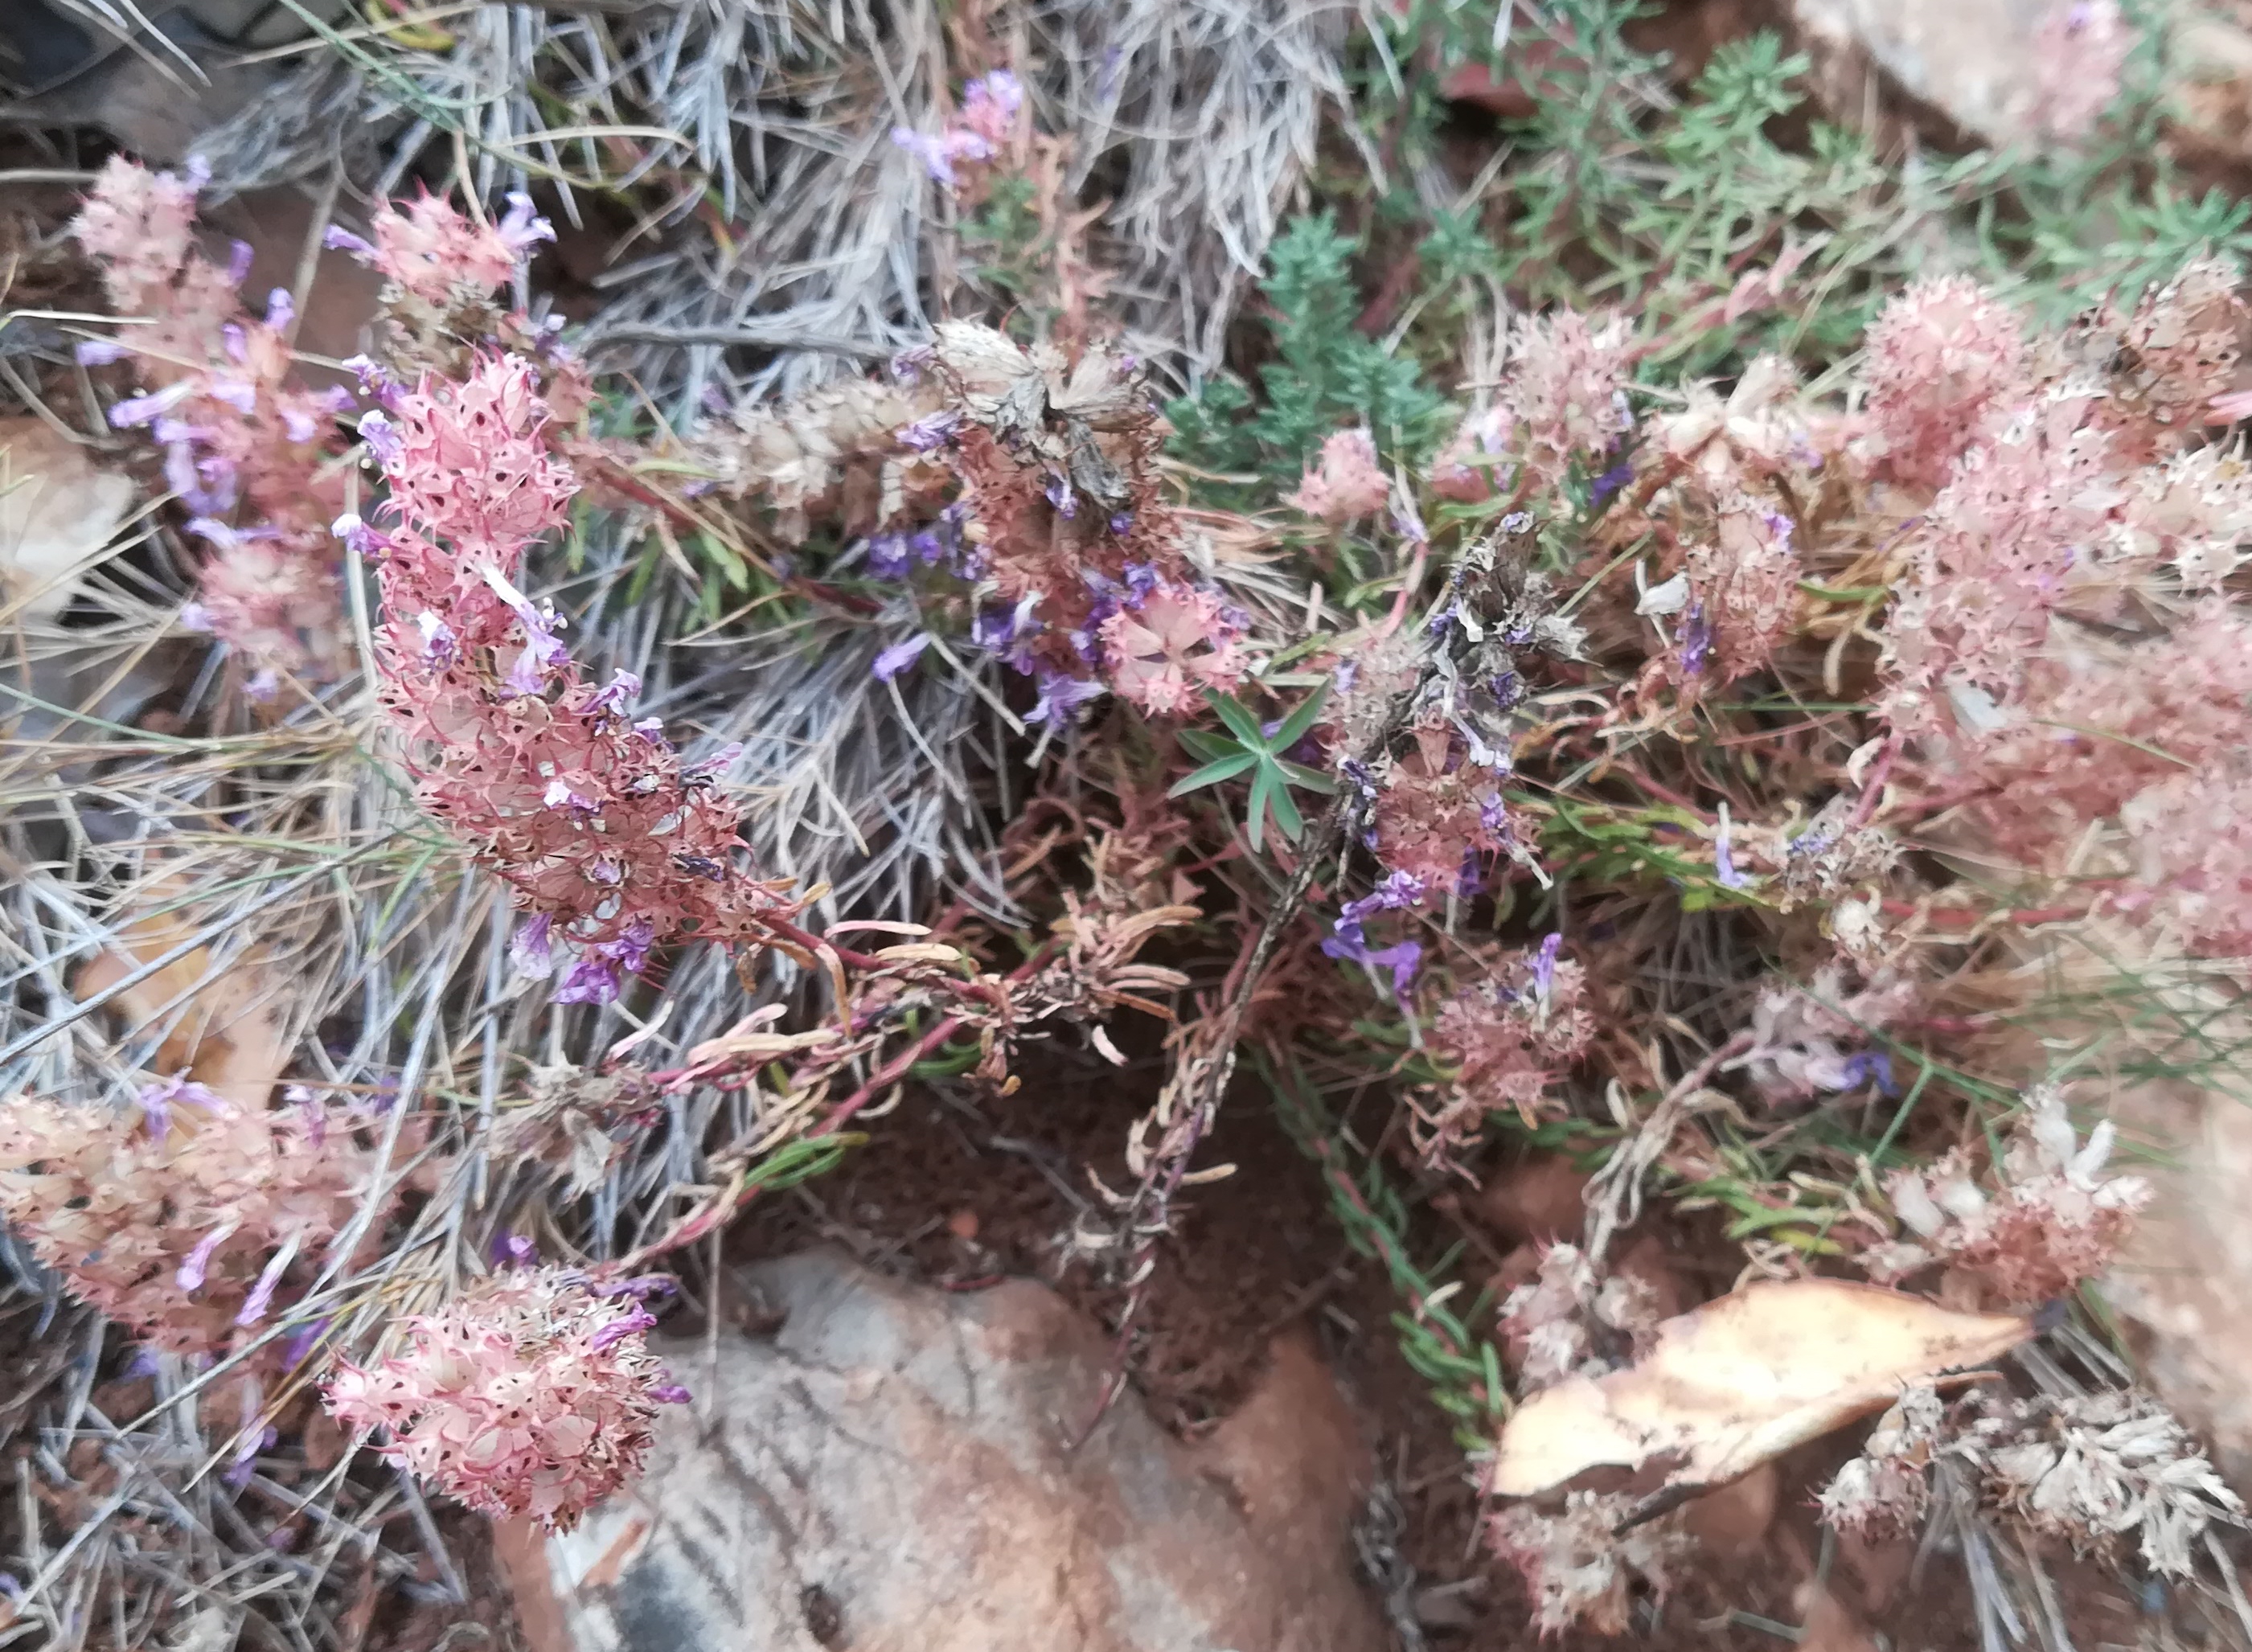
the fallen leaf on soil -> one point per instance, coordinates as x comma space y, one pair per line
57, 512
1743, 1379
226, 1031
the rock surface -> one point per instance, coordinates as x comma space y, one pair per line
2185, 1280
890, 1470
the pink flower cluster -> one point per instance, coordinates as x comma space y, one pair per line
1502, 1042
615, 844
2055, 1220
2079, 54
1742, 591
1346, 482
1566, 394
185, 1218
441, 256
1438, 813
976, 137
251, 455
534, 1394
2041, 645
1942, 359
1178, 641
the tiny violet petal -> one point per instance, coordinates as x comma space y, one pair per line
899, 657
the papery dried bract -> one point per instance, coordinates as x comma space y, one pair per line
1742, 1379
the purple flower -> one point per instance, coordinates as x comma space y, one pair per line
194, 617
1696, 640
246, 1460
908, 365
260, 1299
543, 650
263, 684
606, 871
630, 949
375, 380
936, 154
156, 1101
1350, 943
1544, 963
357, 535
513, 1249
1060, 496
298, 425
530, 950
197, 1267
382, 437
591, 980
931, 432
1493, 815
669, 1394
1870, 1064
1403, 958
561, 794
1398, 890
890, 555
1006, 631
337, 238
441, 644
139, 410
1060, 696
280, 309
623, 686
618, 1330
1122, 524
896, 658
522, 226
717, 763
1724, 859
100, 352
239, 256
1407, 521
1000, 89
1610, 482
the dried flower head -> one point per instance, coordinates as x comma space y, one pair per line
1743, 585
2055, 1220
182, 1217
249, 453
615, 844
1884, 1491
531, 1395
1580, 1572
2094, 1467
